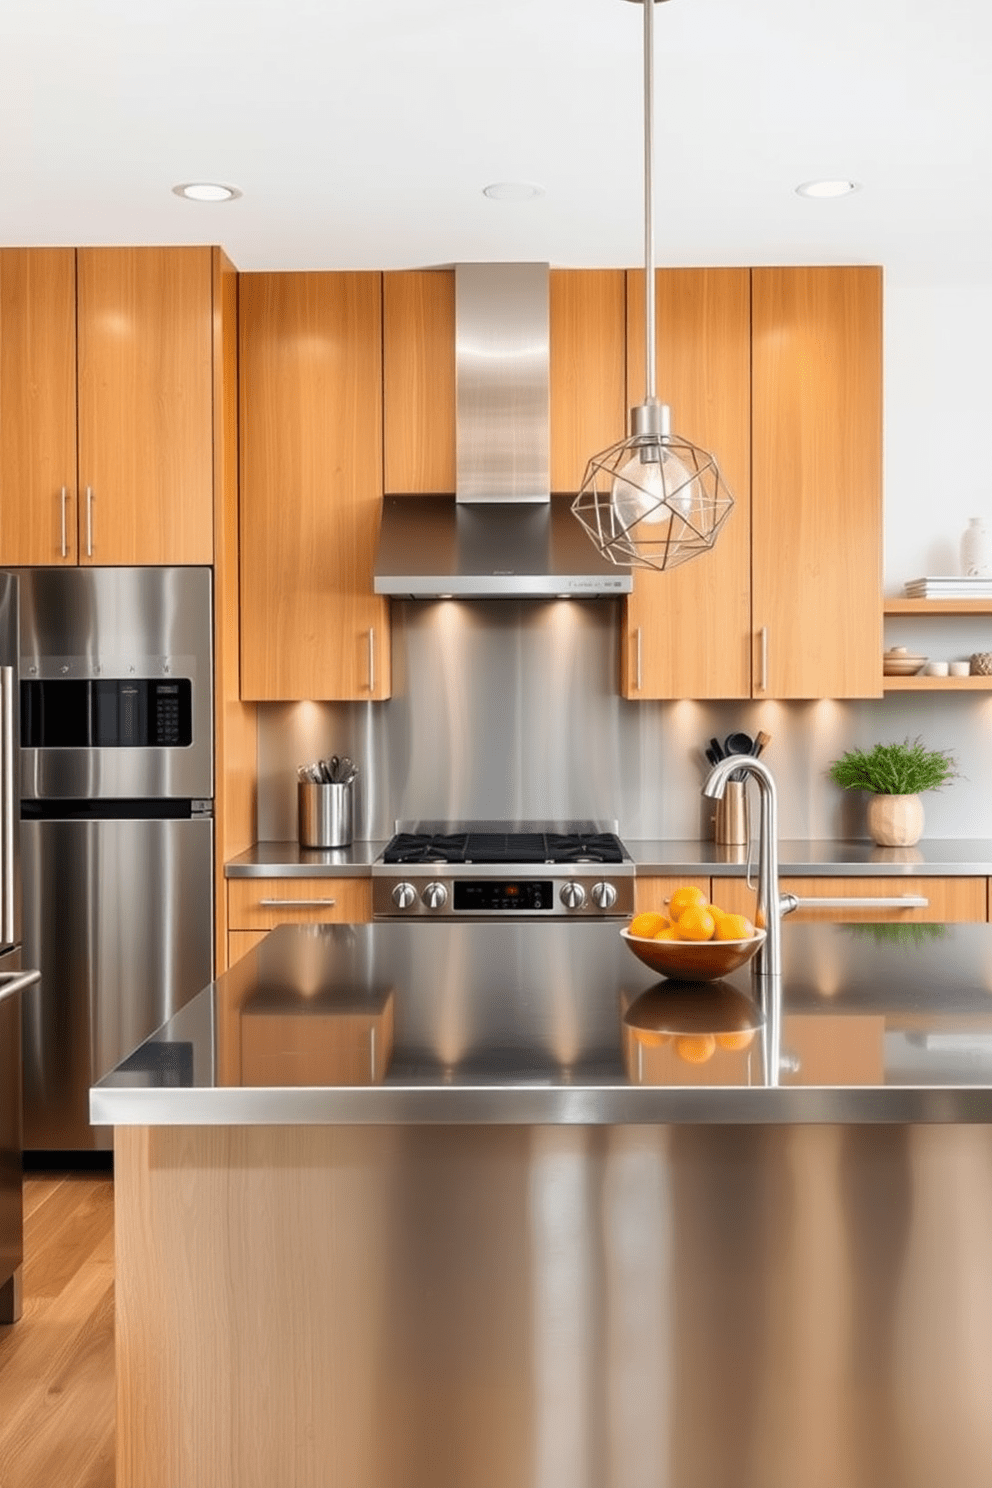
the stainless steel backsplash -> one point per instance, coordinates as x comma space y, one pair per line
510, 710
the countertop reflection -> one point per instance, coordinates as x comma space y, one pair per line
530, 1023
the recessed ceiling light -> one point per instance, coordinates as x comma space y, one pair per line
206, 191
827, 188
512, 191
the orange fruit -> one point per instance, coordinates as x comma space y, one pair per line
695, 923
650, 1039
667, 932
647, 923
715, 910
695, 1048
735, 1041
733, 927
683, 898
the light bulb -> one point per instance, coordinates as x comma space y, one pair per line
653, 491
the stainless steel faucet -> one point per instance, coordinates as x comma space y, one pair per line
771, 904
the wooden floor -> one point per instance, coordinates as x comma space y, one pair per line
57, 1362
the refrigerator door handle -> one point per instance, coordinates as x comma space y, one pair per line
8, 690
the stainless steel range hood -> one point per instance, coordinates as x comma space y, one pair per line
502, 535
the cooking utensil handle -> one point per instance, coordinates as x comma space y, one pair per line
65, 498
372, 659
89, 521
8, 930
638, 658
297, 903
896, 901
763, 659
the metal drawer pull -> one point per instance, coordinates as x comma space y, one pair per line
65, 497
372, 660
89, 521
763, 678
900, 901
297, 903
638, 636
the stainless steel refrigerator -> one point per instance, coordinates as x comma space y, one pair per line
14, 980
116, 824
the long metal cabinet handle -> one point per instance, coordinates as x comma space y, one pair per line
763, 653
897, 901
65, 497
16, 981
297, 903
89, 521
7, 688
372, 660
638, 654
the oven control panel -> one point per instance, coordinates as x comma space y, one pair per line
402, 896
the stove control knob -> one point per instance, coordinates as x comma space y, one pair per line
572, 895
435, 896
604, 895
404, 895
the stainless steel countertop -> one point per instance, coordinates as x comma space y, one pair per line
964, 857
523, 1023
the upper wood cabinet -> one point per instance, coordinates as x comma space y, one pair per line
106, 406
817, 481
688, 631
587, 375
778, 373
311, 486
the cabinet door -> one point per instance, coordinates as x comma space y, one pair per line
687, 632
311, 486
949, 899
587, 369
418, 380
37, 406
816, 481
145, 326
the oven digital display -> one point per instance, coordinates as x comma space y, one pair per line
475, 895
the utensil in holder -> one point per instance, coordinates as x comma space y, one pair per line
731, 822
326, 813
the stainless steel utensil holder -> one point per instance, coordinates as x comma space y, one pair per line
731, 823
326, 813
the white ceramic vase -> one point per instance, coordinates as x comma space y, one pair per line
976, 548
895, 821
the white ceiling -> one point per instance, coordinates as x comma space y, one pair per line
362, 134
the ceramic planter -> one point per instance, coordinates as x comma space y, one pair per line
895, 821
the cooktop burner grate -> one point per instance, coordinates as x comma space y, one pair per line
504, 847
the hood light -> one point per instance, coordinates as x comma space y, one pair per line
206, 191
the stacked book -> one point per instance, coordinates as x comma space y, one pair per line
954, 586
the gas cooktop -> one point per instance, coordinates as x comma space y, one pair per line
504, 847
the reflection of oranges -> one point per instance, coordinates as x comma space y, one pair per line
733, 927
683, 898
695, 1048
695, 923
648, 923
650, 1039
735, 1041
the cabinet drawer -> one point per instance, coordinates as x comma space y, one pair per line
948, 899
263, 903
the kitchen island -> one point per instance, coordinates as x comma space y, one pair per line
401, 1205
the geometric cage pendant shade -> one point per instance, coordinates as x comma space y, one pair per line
654, 500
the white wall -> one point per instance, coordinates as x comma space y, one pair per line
938, 417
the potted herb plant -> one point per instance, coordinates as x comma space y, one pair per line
894, 775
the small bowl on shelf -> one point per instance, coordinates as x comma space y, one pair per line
693, 960
902, 663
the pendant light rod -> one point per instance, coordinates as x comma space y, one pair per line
649, 311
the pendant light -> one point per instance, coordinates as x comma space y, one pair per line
654, 500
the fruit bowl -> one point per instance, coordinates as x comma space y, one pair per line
693, 960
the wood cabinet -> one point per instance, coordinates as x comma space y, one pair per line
655, 892
778, 373
311, 487
949, 899
816, 399
106, 406
587, 375
257, 905
687, 632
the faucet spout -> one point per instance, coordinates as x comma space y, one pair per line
769, 908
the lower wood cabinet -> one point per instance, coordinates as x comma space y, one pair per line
257, 905
949, 900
